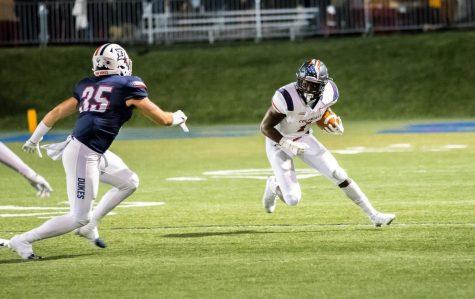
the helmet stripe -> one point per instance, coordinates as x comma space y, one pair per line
103, 48
317, 69
97, 50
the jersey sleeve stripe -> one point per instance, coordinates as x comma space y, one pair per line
288, 99
275, 107
335, 91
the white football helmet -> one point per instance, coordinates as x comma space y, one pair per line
111, 59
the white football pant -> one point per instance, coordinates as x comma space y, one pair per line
317, 157
84, 168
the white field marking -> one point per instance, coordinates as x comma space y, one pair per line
400, 145
18, 208
49, 217
456, 146
186, 179
140, 204
61, 210
444, 148
397, 147
256, 173
131, 204
30, 214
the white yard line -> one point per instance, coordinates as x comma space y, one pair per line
62, 210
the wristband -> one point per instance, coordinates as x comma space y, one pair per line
41, 130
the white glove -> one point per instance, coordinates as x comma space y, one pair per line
179, 119
336, 129
32, 147
294, 147
33, 144
41, 185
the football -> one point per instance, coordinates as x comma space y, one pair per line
329, 117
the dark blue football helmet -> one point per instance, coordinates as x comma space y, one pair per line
312, 76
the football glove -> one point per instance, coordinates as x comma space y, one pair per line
179, 119
32, 147
42, 187
295, 148
336, 128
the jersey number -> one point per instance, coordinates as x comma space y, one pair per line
95, 100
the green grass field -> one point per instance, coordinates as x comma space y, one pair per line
212, 238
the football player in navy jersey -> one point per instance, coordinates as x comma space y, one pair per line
105, 102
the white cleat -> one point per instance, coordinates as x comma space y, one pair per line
23, 248
4, 243
382, 219
92, 234
269, 199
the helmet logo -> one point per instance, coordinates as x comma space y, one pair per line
317, 69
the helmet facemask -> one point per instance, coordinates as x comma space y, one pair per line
311, 90
126, 67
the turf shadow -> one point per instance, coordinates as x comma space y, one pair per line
44, 259
245, 232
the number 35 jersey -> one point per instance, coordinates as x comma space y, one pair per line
102, 108
300, 116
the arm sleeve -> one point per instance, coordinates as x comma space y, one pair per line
279, 104
330, 94
135, 88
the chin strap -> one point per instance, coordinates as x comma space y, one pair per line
312, 102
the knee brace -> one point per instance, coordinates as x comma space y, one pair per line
134, 181
341, 177
129, 181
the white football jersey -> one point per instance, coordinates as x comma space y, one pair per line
299, 116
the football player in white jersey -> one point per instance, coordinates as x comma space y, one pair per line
287, 127
10, 159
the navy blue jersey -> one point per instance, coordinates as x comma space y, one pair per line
102, 108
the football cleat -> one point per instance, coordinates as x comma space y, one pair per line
379, 219
34, 257
4, 243
92, 234
23, 248
269, 199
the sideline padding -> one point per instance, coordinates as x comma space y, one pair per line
149, 133
436, 127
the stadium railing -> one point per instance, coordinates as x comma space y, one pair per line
26, 22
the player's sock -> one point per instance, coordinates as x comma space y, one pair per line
109, 201
10, 159
354, 192
54, 227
